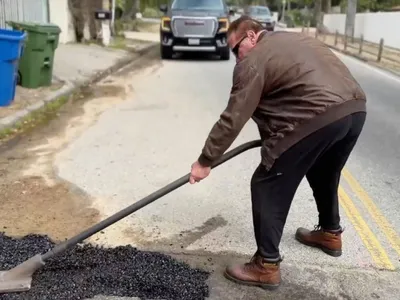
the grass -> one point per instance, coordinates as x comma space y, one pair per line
135, 25
147, 26
118, 42
39, 117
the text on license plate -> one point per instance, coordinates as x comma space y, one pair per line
194, 42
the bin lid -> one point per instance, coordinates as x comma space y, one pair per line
36, 27
12, 35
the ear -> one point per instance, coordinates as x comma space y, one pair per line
252, 36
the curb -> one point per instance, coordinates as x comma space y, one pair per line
363, 59
347, 53
70, 88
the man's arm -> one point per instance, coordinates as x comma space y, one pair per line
247, 88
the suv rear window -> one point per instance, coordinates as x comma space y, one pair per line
198, 5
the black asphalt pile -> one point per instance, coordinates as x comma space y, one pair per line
86, 271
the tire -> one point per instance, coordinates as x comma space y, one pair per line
225, 53
166, 52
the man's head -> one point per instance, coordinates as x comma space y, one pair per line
243, 34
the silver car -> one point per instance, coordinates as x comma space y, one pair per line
262, 14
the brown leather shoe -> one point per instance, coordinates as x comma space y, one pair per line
328, 241
257, 272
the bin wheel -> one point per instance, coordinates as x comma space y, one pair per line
18, 78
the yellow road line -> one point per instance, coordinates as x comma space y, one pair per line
373, 210
376, 250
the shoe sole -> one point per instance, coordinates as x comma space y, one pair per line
264, 286
334, 253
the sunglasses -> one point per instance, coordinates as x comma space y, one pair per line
235, 49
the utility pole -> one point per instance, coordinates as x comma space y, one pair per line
283, 11
350, 18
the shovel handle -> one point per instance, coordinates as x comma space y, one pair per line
143, 202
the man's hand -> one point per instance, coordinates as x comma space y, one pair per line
198, 172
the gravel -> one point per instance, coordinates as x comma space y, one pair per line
86, 271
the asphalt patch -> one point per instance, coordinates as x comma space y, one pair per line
86, 271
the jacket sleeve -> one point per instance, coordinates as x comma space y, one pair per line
246, 91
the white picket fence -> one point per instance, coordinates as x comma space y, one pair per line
23, 10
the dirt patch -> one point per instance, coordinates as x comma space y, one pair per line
30, 206
32, 198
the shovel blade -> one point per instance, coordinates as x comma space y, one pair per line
14, 285
19, 278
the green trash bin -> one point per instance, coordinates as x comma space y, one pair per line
37, 61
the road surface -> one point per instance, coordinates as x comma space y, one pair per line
151, 139
120, 150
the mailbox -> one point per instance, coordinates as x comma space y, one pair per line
102, 15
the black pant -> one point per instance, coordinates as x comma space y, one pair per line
320, 157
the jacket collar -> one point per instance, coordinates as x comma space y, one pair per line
262, 34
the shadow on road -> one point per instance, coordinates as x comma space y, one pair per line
198, 57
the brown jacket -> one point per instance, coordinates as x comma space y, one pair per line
290, 85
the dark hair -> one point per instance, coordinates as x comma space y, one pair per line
243, 24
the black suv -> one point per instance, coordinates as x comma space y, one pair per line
196, 26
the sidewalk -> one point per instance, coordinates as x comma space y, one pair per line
75, 66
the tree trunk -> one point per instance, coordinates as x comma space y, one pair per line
78, 19
318, 14
327, 5
91, 7
130, 9
350, 17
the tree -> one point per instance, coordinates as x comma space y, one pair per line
82, 11
130, 9
326, 6
318, 16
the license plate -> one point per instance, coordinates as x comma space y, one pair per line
194, 42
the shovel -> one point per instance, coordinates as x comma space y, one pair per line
19, 278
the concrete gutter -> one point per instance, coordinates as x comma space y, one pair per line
69, 88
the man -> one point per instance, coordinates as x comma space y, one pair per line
310, 112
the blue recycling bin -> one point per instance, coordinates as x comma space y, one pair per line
11, 48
